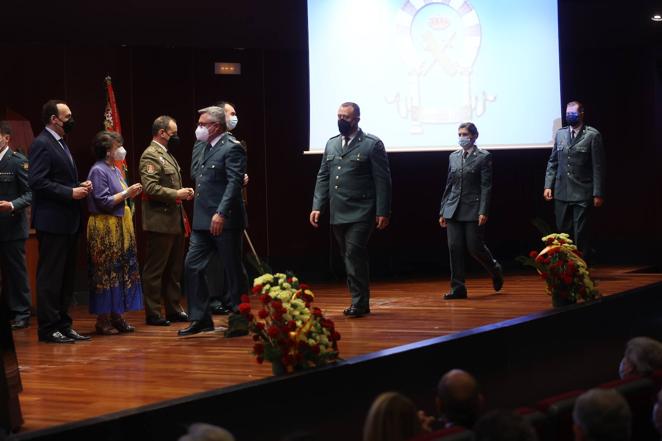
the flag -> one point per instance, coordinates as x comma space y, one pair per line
112, 121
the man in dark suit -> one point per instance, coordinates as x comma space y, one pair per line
575, 177
56, 215
354, 180
219, 216
15, 197
464, 207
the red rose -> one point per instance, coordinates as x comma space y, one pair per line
277, 304
543, 275
257, 289
317, 312
256, 337
258, 348
260, 326
244, 308
567, 279
303, 286
289, 280
292, 325
336, 336
245, 298
265, 298
263, 313
259, 360
272, 331
533, 254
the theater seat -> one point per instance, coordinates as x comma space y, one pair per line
558, 410
456, 433
640, 395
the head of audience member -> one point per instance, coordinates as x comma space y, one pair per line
231, 118
643, 355
206, 432
211, 123
574, 113
503, 425
107, 146
56, 115
601, 415
164, 131
459, 400
5, 135
392, 417
349, 115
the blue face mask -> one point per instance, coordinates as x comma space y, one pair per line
465, 142
572, 118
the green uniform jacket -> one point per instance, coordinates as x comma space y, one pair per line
161, 178
355, 183
14, 188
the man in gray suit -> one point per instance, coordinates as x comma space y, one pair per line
15, 197
576, 173
354, 179
464, 207
219, 215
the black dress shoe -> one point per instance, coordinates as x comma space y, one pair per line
497, 278
455, 295
72, 334
220, 310
356, 312
196, 327
156, 321
55, 337
178, 317
20, 324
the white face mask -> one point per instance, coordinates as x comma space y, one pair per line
232, 122
120, 154
202, 134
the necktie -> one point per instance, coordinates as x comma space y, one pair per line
346, 142
66, 149
572, 134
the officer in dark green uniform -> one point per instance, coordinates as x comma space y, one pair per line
15, 196
354, 180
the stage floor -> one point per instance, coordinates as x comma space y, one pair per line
65, 383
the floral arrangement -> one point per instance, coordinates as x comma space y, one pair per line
288, 331
561, 266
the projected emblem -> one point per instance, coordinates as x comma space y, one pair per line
439, 41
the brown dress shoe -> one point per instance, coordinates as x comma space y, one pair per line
120, 324
104, 327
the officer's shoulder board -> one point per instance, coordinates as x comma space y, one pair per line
233, 139
591, 129
21, 159
334, 137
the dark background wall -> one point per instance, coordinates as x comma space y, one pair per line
161, 54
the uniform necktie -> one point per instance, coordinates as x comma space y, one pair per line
346, 143
66, 149
572, 134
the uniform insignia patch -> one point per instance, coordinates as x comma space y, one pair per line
25, 166
150, 168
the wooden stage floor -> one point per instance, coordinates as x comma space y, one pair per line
65, 383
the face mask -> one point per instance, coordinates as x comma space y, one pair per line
572, 118
173, 142
345, 127
202, 134
120, 154
68, 125
622, 371
465, 142
232, 122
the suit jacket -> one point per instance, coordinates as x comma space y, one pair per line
161, 177
14, 188
52, 177
576, 168
356, 182
468, 186
219, 173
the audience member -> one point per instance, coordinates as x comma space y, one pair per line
458, 401
601, 415
657, 413
643, 355
392, 417
503, 425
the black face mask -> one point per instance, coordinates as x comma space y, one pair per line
68, 126
173, 142
345, 127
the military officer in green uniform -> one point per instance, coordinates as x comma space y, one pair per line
15, 197
354, 181
164, 222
